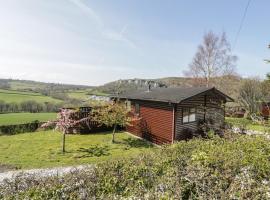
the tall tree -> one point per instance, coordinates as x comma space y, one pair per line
213, 58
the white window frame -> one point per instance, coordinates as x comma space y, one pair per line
191, 115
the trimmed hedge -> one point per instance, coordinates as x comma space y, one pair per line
20, 128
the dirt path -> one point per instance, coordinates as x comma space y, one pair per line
57, 171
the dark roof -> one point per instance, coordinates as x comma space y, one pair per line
173, 95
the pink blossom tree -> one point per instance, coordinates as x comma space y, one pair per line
66, 120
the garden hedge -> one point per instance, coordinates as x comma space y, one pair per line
20, 128
237, 167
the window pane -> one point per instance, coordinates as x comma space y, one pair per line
185, 119
128, 105
189, 115
192, 117
185, 115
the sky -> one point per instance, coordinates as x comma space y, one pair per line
91, 42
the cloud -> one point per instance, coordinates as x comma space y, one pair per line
64, 72
108, 33
89, 12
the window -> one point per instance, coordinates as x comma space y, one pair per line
128, 105
189, 115
137, 108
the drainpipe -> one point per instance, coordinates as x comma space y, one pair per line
204, 115
173, 123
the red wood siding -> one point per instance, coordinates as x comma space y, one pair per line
265, 110
156, 122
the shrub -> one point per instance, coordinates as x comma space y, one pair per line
233, 168
19, 128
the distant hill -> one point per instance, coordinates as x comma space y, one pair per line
28, 85
20, 91
13, 96
227, 84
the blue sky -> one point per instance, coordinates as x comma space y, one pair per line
93, 42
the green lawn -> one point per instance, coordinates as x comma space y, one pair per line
43, 149
18, 96
249, 124
21, 118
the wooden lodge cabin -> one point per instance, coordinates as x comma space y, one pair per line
167, 114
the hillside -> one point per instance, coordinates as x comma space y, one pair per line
14, 96
29, 85
52, 91
228, 84
24, 90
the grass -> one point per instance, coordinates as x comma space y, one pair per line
18, 96
24, 85
43, 149
249, 124
21, 118
98, 93
80, 94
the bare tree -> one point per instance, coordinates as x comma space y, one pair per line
213, 58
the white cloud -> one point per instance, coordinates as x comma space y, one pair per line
88, 11
108, 33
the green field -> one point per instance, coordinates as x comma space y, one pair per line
24, 85
43, 149
80, 94
84, 94
18, 96
98, 93
21, 118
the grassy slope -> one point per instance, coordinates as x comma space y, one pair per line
21, 85
98, 93
17, 97
250, 125
43, 149
20, 118
85, 94
80, 94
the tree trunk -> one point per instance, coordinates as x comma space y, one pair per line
114, 130
64, 142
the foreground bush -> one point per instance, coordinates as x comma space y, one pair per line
233, 168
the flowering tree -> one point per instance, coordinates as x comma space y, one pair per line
112, 115
66, 120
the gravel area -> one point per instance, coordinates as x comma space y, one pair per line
251, 132
57, 171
